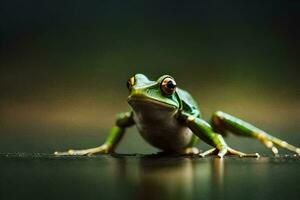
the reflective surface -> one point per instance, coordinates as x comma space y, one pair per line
40, 176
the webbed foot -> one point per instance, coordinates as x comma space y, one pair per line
270, 143
226, 151
101, 149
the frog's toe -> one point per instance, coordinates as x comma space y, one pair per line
71, 152
57, 153
76, 152
104, 149
241, 154
85, 152
270, 145
222, 152
274, 150
208, 152
64, 153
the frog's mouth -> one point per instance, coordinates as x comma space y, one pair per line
140, 99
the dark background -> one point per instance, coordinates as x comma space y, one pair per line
64, 65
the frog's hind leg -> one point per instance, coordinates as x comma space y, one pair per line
189, 151
222, 122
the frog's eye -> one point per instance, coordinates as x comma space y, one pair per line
130, 83
168, 86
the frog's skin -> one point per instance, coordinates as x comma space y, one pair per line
168, 118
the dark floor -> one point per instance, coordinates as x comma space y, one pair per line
41, 176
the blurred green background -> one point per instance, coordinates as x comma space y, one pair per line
64, 66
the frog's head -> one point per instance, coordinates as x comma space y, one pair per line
160, 93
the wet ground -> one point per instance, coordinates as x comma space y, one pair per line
121, 176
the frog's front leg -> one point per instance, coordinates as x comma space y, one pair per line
205, 132
123, 121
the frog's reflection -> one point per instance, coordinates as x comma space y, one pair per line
169, 178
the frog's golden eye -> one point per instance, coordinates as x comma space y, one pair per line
168, 86
130, 83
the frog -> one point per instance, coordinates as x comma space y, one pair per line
169, 119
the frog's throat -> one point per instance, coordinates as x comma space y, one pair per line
134, 98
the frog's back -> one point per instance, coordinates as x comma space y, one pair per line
188, 103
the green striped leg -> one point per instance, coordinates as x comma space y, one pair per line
123, 121
222, 122
205, 132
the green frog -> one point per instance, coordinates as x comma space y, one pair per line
168, 118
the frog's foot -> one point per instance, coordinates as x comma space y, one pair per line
189, 151
101, 149
270, 143
227, 151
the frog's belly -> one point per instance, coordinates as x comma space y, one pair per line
158, 125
